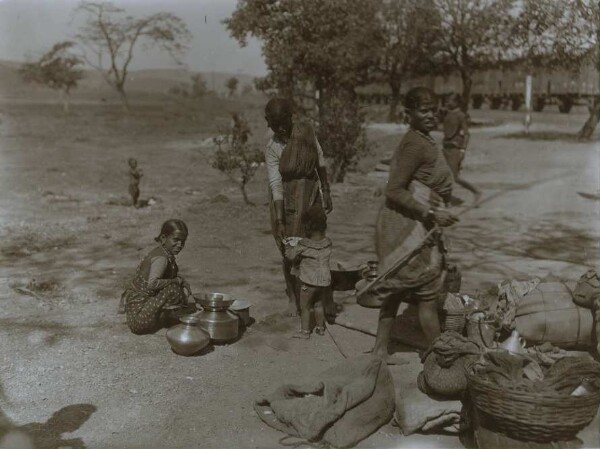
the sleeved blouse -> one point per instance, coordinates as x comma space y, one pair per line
417, 158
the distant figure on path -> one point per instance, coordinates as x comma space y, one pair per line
456, 140
310, 256
156, 283
295, 178
134, 181
418, 188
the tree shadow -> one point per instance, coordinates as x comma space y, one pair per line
499, 247
543, 136
48, 435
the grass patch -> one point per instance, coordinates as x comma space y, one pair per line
23, 242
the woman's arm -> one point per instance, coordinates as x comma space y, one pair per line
322, 172
403, 166
272, 162
465, 130
292, 252
158, 266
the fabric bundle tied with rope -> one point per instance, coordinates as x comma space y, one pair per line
444, 364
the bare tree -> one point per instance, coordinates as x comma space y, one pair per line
473, 34
236, 156
110, 37
57, 69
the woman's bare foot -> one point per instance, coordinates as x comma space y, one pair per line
320, 330
302, 335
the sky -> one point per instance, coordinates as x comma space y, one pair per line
30, 27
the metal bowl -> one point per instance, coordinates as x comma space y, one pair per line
215, 301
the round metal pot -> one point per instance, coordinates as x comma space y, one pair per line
187, 338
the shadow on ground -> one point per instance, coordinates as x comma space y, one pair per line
47, 435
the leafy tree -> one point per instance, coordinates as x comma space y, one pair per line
236, 157
342, 133
57, 69
110, 36
409, 41
558, 34
247, 89
199, 87
315, 51
589, 24
472, 35
231, 85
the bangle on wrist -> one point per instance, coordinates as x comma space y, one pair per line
430, 214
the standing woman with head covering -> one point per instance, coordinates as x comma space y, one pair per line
297, 180
418, 188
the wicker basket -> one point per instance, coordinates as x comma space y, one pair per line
455, 320
538, 417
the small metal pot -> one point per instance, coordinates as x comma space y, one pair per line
242, 309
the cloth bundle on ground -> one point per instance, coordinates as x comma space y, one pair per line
417, 412
545, 312
522, 373
587, 290
509, 295
341, 407
445, 361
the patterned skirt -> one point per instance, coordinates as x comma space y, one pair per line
144, 309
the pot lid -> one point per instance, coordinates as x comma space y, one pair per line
240, 304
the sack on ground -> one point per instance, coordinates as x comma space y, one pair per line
340, 407
587, 289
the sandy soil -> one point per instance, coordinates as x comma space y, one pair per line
68, 236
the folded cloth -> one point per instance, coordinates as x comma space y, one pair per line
341, 407
587, 289
417, 412
450, 346
509, 295
522, 373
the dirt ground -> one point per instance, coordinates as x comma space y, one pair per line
72, 375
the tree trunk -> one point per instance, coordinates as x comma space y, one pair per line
590, 125
245, 195
394, 101
66, 102
123, 95
467, 83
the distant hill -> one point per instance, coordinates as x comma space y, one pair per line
139, 81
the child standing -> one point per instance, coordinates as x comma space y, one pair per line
156, 283
311, 265
134, 181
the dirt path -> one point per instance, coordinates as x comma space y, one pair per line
70, 348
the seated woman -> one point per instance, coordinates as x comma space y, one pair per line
156, 284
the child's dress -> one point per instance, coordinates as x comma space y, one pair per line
148, 295
311, 259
